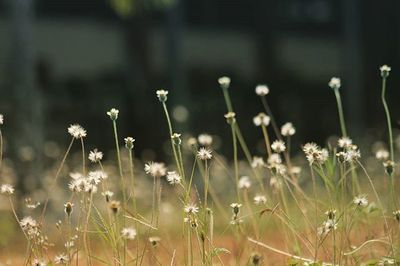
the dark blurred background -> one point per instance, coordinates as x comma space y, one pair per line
68, 61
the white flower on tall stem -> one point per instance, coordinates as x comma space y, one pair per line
77, 131
204, 154
129, 142
95, 156
7, 189
224, 82
37, 262
335, 83
155, 169
205, 139
260, 199
173, 178
261, 119
244, 182
257, 162
278, 146
108, 195
382, 155
262, 90
385, 70
1, 119
162, 95
113, 114
288, 130
128, 233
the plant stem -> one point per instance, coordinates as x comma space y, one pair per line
340, 111
269, 113
119, 160
235, 161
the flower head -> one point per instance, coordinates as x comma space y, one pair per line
191, 209
37, 262
261, 119
115, 206
244, 182
162, 95
205, 139
278, 146
128, 233
204, 154
235, 208
288, 130
129, 142
314, 154
385, 71
7, 189
1, 119
68, 207
61, 259
257, 162
95, 156
361, 201
113, 114
335, 83
382, 155
230, 117
260, 199
176, 138
224, 82
173, 178
154, 240
107, 194
155, 169
77, 131
262, 90
345, 142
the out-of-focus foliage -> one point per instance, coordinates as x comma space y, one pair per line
128, 8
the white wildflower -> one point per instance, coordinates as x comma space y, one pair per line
129, 142
224, 82
1, 119
205, 139
361, 201
275, 158
7, 189
128, 233
288, 130
191, 209
260, 199
257, 162
61, 259
278, 146
262, 90
244, 182
382, 155
173, 178
155, 169
204, 154
345, 142
113, 114
162, 95
334, 83
95, 156
385, 70
77, 131
261, 119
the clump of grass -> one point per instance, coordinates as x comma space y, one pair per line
319, 210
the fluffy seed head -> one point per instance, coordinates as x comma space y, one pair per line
7, 189
244, 182
204, 154
173, 178
95, 156
155, 169
77, 131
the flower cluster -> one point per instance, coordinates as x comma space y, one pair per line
314, 154
155, 169
349, 152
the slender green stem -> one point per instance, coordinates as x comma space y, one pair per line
340, 111
235, 161
1, 149
119, 160
227, 99
178, 165
55, 180
389, 123
273, 121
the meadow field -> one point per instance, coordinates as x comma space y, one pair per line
330, 203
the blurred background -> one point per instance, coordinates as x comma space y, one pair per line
68, 61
